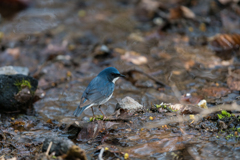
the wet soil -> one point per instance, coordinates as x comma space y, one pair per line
169, 53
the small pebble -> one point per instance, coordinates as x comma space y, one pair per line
191, 116
126, 156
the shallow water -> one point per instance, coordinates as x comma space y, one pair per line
62, 42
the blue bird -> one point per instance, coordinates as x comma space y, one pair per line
99, 90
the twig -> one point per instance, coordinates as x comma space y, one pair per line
204, 113
101, 154
2, 156
149, 76
176, 92
192, 154
181, 118
37, 73
49, 147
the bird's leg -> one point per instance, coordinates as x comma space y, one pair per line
93, 113
104, 117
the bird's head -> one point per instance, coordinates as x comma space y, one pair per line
111, 73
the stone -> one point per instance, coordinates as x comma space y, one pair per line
15, 98
129, 103
59, 145
11, 70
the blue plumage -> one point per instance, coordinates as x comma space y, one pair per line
99, 90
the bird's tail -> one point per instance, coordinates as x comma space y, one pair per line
79, 110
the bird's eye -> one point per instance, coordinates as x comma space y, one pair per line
115, 74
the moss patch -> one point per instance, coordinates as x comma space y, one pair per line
97, 117
22, 84
224, 114
165, 107
229, 136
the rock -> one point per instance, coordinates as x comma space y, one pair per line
130, 104
102, 52
90, 130
85, 131
11, 70
203, 104
14, 96
43, 156
59, 145
231, 125
238, 126
76, 152
222, 125
210, 126
24, 95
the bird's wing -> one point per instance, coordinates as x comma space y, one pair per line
97, 90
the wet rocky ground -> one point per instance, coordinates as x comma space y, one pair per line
174, 54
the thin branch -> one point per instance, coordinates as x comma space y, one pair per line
101, 154
149, 76
49, 147
184, 118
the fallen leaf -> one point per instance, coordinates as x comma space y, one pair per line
49, 121
190, 98
135, 58
222, 42
90, 131
216, 91
14, 52
181, 12
20, 123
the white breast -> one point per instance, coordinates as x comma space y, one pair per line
115, 79
105, 100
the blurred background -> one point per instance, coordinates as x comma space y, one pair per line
191, 44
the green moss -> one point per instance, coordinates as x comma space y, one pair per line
220, 116
222, 131
232, 129
91, 119
22, 84
238, 129
224, 114
229, 136
97, 117
165, 107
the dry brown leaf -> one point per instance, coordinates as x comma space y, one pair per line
222, 42
134, 57
192, 99
216, 91
181, 12
14, 52
187, 13
20, 123
49, 121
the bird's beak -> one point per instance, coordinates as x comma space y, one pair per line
121, 75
